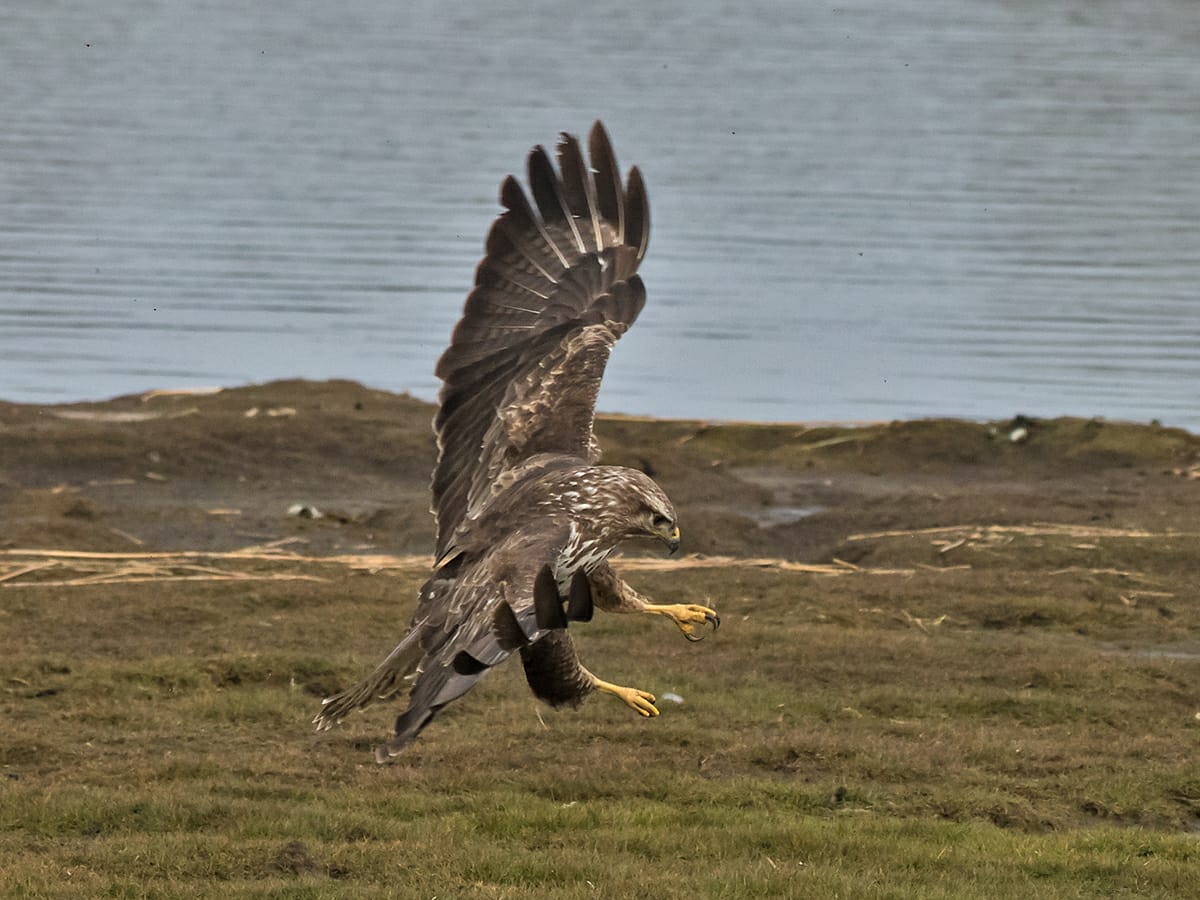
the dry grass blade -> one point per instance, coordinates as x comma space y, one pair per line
25, 570
182, 565
953, 545
94, 568
1119, 573
837, 567
85, 582
1038, 530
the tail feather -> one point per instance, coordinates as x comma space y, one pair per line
433, 690
388, 679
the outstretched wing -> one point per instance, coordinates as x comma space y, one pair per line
556, 288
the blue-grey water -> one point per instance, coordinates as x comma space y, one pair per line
874, 209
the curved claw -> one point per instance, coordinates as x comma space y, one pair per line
688, 616
641, 702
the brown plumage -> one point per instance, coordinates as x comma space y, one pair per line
525, 517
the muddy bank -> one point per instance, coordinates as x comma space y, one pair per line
231, 469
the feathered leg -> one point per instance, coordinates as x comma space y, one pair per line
613, 594
556, 676
552, 666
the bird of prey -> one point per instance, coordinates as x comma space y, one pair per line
526, 518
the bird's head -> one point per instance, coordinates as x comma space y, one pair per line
637, 507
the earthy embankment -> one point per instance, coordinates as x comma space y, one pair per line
956, 660
186, 472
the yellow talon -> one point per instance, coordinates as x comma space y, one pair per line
641, 701
687, 616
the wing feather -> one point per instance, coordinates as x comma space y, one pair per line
488, 610
556, 217
579, 194
637, 214
556, 288
610, 195
525, 228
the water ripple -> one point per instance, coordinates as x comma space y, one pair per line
877, 210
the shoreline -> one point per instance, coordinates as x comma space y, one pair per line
211, 390
171, 470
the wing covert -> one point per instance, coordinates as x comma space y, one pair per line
556, 289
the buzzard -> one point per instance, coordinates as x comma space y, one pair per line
526, 518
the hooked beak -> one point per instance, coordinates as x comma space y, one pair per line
671, 538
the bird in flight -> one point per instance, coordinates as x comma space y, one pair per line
526, 518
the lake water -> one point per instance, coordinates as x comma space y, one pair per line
883, 209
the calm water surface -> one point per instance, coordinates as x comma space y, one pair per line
889, 208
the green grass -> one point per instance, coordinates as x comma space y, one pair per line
1033, 743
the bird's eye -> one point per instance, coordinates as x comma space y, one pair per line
660, 521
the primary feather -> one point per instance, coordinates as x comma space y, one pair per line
556, 289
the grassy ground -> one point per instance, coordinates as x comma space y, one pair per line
997, 697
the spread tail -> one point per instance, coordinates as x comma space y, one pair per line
388, 679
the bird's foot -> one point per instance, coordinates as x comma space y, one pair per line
690, 618
640, 701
